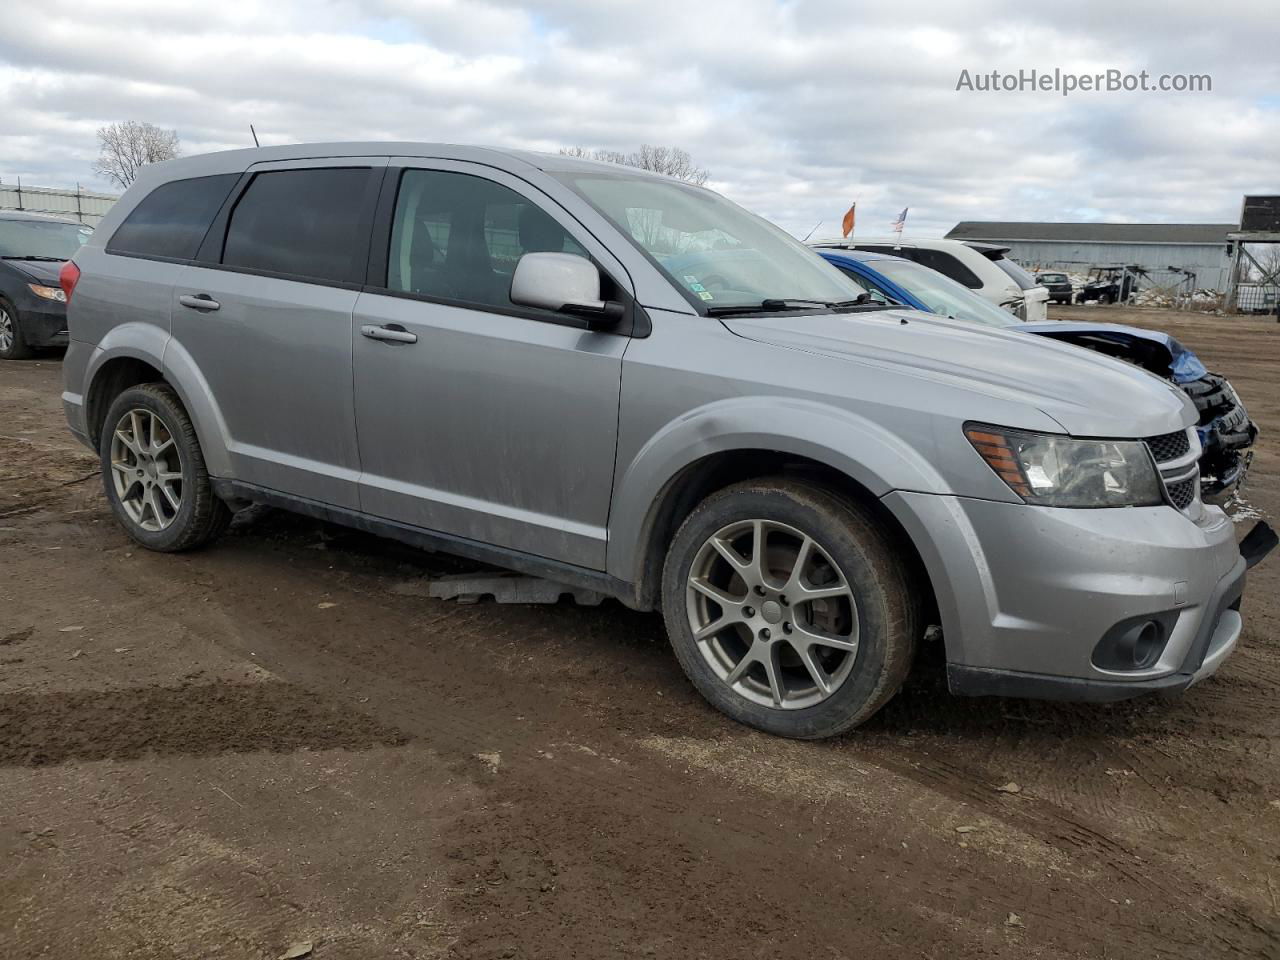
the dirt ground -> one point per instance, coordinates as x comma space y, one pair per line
280, 740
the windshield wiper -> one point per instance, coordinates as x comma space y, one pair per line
51, 259
771, 305
780, 304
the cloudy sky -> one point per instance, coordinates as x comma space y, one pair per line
796, 107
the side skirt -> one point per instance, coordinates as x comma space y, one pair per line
526, 563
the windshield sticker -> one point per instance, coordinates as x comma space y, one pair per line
706, 296
689, 279
697, 287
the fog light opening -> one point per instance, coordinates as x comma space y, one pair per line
1134, 644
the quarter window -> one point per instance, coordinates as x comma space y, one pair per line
303, 223
947, 265
172, 219
458, 237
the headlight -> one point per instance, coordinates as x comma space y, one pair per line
1051, 470
48, 293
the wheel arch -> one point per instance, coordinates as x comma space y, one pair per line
702, 454
133, 354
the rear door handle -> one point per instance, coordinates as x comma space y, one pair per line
391, 333
199, 301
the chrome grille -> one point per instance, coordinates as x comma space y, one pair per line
1169, 446
1182, 493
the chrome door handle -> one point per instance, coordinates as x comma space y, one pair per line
391, 334
199, 301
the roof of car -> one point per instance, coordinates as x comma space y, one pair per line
28, 215
1006, 230
861, 256
937, 243
551, 162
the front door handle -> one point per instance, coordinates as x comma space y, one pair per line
199, 301
391, 333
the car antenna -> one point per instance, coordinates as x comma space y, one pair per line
255, 136
810, 233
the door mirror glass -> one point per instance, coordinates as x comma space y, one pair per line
564, 282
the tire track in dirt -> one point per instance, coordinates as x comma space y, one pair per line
465, 726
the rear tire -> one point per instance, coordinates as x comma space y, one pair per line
764, 653
154, 473
13, 346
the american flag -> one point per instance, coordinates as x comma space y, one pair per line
901, 221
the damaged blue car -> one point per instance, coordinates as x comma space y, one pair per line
1226, 432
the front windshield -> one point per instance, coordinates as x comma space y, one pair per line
943, 295
41, 238
717, 254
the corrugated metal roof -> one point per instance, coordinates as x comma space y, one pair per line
1092, 232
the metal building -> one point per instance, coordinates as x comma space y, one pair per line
82, 205
1201, 248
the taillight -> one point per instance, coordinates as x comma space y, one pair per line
68, 277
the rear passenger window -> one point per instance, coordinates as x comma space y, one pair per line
459, 237
172, 219
947, 265
304, 223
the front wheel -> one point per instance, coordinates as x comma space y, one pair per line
154, 473
790, 608
12, 344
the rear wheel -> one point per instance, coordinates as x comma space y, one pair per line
789, 607
154, 473
12, 344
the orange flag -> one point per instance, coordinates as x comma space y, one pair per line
847, 223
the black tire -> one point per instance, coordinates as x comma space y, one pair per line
201, 516
878, 571
18, 348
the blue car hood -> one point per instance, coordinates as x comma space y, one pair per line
1183, 366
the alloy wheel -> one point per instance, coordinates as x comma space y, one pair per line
7, 331
146, 469
772, 614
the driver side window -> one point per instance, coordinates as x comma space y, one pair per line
455, 236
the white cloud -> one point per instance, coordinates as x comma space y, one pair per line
796, 107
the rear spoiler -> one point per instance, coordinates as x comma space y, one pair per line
992, 251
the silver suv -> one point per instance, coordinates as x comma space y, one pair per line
623, 382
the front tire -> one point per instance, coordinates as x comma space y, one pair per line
154, 473
790, 607
13, 346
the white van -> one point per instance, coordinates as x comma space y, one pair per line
982, 267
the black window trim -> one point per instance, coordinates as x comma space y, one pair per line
635, 323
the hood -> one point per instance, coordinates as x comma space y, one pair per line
40, 271
1088, 394
1158, 352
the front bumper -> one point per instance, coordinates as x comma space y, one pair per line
1027, 594
43, 322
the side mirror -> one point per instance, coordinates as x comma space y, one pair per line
564, 282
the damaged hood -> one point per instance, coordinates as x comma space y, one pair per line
1088, 394
1149, 349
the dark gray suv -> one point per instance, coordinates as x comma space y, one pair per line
617, 380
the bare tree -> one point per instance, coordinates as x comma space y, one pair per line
671, 161
127, 147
